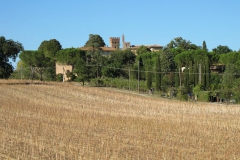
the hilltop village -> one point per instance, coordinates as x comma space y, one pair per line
181, 69
114, 44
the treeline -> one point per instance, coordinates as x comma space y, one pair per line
182, 69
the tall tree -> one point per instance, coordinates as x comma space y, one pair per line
70, 56
124, 57
149, 78
94, 56
50, 48
158, 73
207, 73
186, 79
179, 42
222, 49
228, 80
82, 71
142, 49
37, 61
95, 41
204, 46
9, 49
167, 61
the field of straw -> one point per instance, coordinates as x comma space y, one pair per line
67, 121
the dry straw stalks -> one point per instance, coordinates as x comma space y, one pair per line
65, 121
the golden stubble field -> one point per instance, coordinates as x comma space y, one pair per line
65, 121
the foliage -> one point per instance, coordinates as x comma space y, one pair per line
59, 77
70, 76
179, 42
112, 70
9, 49
148, 59
196, 90
149, 78
222, 49
204, 46
186, 79
236, 89
95, 41
123, 83
50, 48
142, 49
230, 58
203, 96
82, 71
70, 56
207, 74
158, 73
96, 82
37, 61
123, 57
167, 61
227, 82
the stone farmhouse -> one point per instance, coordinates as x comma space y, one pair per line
114, 44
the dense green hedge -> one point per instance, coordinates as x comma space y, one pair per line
121, 83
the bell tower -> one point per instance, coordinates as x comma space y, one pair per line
114, 42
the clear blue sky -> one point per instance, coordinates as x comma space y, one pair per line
141, 21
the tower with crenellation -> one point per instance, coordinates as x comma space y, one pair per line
114, 42
125, 45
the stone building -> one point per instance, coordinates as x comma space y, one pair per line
114, 42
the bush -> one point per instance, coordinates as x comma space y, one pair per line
97, 82
59, 77
203, 96
181, 94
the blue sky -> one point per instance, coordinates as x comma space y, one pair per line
141, 21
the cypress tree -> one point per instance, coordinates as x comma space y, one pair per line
149, 78
204, 46
186, 78
176, 77
141, 74
195, 71
191, 76
207, 73
158, 73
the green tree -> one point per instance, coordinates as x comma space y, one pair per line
82, 71
222, 49
167, 61
37, 61
186, 79
196, 90
149, 78
50, 48
124, 57
95, 41
9, 49
204, 46
139, 69
118, 63
179, 42
158, 73
142, 49
70, 56
207, 73
228, 80
94, 56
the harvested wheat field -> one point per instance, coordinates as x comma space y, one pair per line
65, 121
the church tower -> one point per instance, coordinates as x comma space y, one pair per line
125, 45
114, 42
